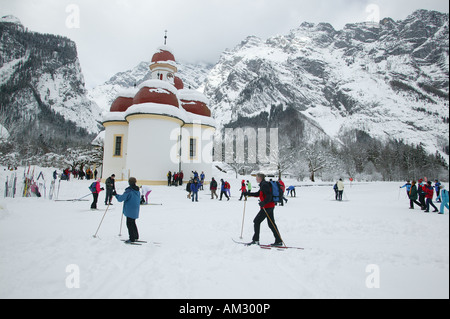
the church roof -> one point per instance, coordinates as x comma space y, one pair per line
163, 54
157, 91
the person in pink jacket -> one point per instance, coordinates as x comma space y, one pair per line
95, 189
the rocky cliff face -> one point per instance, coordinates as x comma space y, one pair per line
389, 80
43, 97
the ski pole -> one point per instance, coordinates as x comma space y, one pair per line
243, 219
121, 223
346, 198
95, 236
59, 185
83, 197
276, 228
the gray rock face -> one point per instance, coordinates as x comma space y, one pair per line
389, 80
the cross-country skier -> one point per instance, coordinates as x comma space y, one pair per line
267, 206
146, 190
429, 192
444, 199
243, 190
213, 188
413, 195
95, 189
110, 188
420, 190
340, 188
131, 205
169, 178
195, 187
291, 190
408, 187
437, 188
223, 190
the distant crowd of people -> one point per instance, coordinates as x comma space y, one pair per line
422, 193
80, 174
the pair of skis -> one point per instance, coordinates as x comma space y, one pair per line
139, 242
268, 247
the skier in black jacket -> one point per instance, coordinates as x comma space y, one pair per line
267, 211
110, 188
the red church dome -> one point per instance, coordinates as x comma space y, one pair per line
156, 91
179, 83
123, 101
163, 55
194, 102
196, 107
121, 104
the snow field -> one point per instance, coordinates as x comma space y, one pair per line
39, 239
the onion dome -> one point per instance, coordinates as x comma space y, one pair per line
195, 102
123, 101
163, 54
179, 83
158, 92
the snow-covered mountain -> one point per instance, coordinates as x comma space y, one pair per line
193, 75
389, 80
42, 87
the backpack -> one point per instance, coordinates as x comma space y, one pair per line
93, 187
275, 191
227, 185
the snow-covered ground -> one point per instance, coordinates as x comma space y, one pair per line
46, 244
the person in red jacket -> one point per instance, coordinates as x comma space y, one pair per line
243, 190
429, 192
282, 190
267, 211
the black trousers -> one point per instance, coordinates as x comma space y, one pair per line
273, 227
422, 200
132, 229
94, 203
109, 195
223, 193
429, 202
411, 203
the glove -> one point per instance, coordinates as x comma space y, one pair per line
261, 204
102, 189
114, 193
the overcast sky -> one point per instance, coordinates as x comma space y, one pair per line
115, 35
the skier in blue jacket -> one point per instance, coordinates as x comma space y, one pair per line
408, 188
437, 188
444, 199
131, 205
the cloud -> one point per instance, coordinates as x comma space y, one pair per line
116, 35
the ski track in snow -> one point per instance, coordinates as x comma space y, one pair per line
197, 259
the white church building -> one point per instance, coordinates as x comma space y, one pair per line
158, 127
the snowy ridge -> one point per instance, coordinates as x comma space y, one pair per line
41, 82
389, 79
